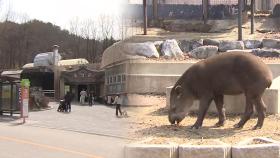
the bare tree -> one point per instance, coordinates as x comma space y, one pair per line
22, 18
93, 29
0, 8
74, 30
10, 15
106, 23
85, 29
74, 26
94, 41
85, 33
122, 27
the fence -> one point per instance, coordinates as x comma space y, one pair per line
49, 93
190, 10
266, 5
185, 9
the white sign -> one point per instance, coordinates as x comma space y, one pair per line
25, 108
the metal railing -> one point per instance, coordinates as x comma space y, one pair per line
49, 93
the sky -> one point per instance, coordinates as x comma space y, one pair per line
61, 12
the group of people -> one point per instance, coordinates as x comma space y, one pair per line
84, 95
65, 105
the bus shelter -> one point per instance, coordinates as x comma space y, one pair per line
10, 92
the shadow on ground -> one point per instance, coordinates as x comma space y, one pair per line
208, 131
11, 120
7, 119
170, 131
159, 112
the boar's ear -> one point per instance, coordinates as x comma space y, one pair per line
179, 91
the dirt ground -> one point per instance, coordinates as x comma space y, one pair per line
150, 125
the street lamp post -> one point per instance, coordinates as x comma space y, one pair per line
55, 73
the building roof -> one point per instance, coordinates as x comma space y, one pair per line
69, 62
29, 65
11, 72
83, 74
11, 75
79, 61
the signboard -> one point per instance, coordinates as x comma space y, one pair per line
24, 91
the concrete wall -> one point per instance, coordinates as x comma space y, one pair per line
144, 77
146, 84
152, 77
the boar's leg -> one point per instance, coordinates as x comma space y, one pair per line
219, 101
204, 103
248, 112
261, 108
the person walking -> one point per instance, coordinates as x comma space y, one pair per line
83, 95
68, 98
91, 99
118, 102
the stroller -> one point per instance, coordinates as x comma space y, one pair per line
62, 106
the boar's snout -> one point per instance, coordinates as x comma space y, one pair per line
174, 118
171, 119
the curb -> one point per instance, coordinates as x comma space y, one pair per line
253, 147
247, 149
205, 151
151, 151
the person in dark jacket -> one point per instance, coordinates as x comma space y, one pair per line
90, 99
68, 98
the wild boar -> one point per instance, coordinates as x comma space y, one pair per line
212, 78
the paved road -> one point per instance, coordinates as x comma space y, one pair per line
83, 133
98, 119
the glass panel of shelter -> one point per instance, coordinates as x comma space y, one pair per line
10, 95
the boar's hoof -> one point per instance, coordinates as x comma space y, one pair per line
257, 127
238, 126
219, 124
195, 126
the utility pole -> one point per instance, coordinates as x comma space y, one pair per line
252, 16
145, 19
239, 20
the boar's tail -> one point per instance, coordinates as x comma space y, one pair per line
269, 83
269, 79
